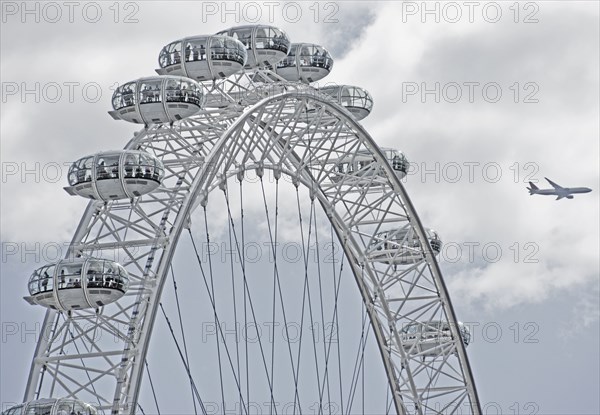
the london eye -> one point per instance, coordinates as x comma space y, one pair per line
315, 285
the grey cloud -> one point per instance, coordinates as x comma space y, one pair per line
555, 53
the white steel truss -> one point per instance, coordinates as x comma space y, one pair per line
98, 356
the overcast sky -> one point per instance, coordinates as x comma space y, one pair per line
480, 102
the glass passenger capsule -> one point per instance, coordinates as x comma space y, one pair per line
305, 62
432, 338
52, 406
402, 246
203, 58
359, 166
157, 99
72, 284
355, 99
266, 45
114, 175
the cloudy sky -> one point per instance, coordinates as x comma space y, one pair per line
481, 98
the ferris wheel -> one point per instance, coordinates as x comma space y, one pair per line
239, 162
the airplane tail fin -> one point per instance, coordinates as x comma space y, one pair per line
532, 187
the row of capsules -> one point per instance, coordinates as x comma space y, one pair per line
173, 95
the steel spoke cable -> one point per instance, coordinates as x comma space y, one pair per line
152, 388
187, 369
212, 291
250, 302
336, 287
235, 318
303, 302
187, 359
278, 281
359, 363
305, 254
362, 358
274, 300
356, 369
318, 259
220, 330
244, 292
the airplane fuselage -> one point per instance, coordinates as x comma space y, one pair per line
558, 191
562, 192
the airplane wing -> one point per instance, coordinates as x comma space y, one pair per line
553, 184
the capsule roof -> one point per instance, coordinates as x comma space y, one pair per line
305, 62
114, 175
266, 45
157, 99
203, 58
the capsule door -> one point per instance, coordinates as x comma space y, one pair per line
125, 103
108, 183
287, 68
151, 102
183, 98
196, 58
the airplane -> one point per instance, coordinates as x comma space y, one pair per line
558, 191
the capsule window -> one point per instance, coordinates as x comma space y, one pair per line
411, 329
245, 36
306, 55
125, 95
111, 275
87, 165
40, 280
346, 98
217, 49
129, 165
465, 334
189, 93
47, 284
69, 276
398, 162
40, 409
65, 407
150, 92
318, 57
81, 171
94, 275
234, 51
268, 38
146, 168
173, 90
290, 59
15, 410
331, 92
108, 167
78, 408
278, 40
195, 50
123, 281
170, 55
